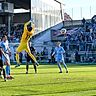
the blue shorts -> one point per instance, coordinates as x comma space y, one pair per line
59, 60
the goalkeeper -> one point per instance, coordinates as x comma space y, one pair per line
26, 36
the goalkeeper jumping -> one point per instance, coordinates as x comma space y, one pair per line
26, 36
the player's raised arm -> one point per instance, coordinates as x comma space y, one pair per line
30, 29
26, 24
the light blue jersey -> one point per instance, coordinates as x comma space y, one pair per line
59, 54
5, 46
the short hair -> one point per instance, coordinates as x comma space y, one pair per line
4, 36
59, 43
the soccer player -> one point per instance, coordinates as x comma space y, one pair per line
6, 59
59, 56
1, 65
26, 36
28, 59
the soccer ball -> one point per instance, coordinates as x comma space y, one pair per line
63, 31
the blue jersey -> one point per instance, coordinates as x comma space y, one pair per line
59, 53
5, 46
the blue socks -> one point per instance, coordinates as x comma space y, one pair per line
7, 70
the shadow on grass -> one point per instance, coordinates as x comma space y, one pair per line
36, 73
20, 73
93, 95
41, 84
50, 93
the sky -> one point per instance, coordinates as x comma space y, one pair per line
77, 9
73, 3
79, 3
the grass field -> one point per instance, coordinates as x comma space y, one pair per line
80, 81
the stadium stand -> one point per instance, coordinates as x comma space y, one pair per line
80, 39
79, 43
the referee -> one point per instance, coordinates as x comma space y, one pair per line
28, 59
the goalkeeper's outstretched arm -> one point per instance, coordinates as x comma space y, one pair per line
25, 25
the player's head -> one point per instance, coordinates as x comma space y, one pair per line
4, 37
58, 43
29, 27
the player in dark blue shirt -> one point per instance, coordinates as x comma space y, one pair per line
28, 59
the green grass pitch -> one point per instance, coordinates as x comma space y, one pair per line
80, 81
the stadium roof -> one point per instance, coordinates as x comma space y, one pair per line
25, 4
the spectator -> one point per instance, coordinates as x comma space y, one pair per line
83, 21
77, 56
52, 56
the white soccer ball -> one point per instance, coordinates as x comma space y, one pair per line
63, 31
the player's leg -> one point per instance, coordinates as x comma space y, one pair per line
28, 58
31, 55
18, 50
0, 72
17, 57
4, 74
35, 67
27, 67
7, 62
0, 67
65, 66
27, 64
7, 68
59, 66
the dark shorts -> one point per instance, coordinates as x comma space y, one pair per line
28, 59
1, 64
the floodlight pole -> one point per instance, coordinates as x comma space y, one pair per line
60, 10
31, 9
31, 18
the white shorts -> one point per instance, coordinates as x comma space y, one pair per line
4, 59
